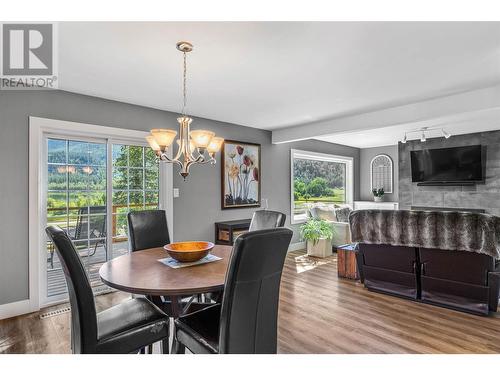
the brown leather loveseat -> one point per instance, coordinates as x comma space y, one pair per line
449, 259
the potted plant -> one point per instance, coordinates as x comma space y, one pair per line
378, 194
318, 235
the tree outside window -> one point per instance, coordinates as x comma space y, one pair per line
318, 181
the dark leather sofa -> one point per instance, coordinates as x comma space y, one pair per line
461, 280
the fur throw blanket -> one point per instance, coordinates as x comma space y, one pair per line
446, 230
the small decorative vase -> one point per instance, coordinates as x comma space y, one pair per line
377, 199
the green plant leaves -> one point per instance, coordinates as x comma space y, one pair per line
315, 229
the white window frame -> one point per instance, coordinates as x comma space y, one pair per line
39, 130
349, 183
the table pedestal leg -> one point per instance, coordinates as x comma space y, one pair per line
176, 348
175, 306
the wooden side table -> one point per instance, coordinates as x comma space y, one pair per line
227, 231
346, 262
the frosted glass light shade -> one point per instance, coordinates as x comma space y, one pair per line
215, 144
152, 143
202, 138
164, 137
66, 168
87, 170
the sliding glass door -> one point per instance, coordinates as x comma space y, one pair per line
76, 201
90, 186
135, 186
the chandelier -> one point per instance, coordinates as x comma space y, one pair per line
423, 131
194, 146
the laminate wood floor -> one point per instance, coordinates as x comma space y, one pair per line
319, 313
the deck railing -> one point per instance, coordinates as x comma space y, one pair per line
116, 237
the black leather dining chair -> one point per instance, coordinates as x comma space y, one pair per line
265, 219
125, 328
147, 229
262, 219
246, 321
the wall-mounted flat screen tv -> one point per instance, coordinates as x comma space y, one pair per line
448, 165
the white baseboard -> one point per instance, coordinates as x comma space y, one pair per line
296, 246
15, 308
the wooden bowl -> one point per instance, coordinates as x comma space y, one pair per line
189, 251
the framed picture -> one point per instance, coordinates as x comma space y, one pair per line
241, 174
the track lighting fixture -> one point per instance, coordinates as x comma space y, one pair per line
425, 132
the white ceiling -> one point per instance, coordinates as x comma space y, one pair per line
384, 136
278, 74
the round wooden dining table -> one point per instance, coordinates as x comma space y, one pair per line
141, 272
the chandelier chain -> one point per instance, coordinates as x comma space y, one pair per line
184, 87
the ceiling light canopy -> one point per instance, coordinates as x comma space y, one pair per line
192, 145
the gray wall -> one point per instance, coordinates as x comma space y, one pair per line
195, 211
485, 196
198, 206
365, 157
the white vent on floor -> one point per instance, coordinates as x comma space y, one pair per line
52, 313
97, 292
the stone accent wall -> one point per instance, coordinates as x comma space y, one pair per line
483, 196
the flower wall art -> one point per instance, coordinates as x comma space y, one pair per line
240, 174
